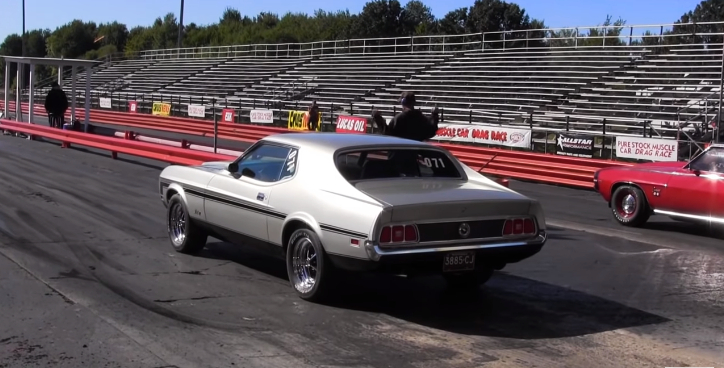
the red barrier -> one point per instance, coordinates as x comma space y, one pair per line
173, 155
545, 168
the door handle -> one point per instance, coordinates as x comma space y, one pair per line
260, 197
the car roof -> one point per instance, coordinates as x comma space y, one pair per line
336, 141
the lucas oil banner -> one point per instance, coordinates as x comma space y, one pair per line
299, 120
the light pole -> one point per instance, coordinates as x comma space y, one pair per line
180, 25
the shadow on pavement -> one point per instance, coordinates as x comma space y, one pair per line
508, 306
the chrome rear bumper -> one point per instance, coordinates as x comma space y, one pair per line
375, 252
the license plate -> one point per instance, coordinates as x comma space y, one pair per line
458, 261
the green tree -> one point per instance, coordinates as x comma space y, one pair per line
72, 40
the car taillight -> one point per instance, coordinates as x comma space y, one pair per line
399, 234
519, 226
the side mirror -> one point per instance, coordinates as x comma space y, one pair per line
248, 172
233, 167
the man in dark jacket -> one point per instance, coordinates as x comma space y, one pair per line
408, 124
313, 113
56, 104
411, 123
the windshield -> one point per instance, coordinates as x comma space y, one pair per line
396, 163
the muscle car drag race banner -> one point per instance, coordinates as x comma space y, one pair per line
483, 134
299, 120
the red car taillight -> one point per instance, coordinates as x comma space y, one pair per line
519, 226
399, 234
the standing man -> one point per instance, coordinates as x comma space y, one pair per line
411, 123
313, 116
56, 104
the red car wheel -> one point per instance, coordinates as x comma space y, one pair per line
629, 206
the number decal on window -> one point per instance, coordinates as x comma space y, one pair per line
438, 163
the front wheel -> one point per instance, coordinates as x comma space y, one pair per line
185, 236
307, 266
629, 206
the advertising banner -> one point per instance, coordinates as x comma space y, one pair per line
197, 111
261, 116
351, 124
299, 120
227, 115
574, 145
647, 148
483, 134
161, 109
132, 107
104, 102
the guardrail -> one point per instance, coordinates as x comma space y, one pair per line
543, 168
172, 155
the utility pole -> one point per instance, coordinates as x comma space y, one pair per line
21, 82
180, 25
23, 28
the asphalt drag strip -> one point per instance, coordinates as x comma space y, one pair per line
88, 278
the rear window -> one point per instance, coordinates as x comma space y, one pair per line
384, 164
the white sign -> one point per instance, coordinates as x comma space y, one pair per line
484, 134
198, 111
647, 148
262, 116
105, 102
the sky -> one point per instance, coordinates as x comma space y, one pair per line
556, 13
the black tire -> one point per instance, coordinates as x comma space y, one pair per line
185, 236
319, 269
468, 280
629, 206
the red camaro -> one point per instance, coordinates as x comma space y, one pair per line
682, 191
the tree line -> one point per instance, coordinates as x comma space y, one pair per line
378, 18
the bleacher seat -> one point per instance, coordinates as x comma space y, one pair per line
658, 89
155, 77
233, 75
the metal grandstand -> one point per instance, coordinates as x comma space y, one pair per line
619, 84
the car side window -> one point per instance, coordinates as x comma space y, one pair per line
711, 161
264, 163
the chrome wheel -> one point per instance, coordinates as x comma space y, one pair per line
177, 224
628, 204
625, 203
304, 265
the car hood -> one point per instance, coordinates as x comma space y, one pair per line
421, 191
214, 166
654, 166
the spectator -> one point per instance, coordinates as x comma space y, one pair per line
56, 104
313, 113
411, 123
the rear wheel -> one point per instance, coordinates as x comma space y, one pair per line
468, 280
186, 237
629, 206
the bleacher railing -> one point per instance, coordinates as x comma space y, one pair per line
654, 36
